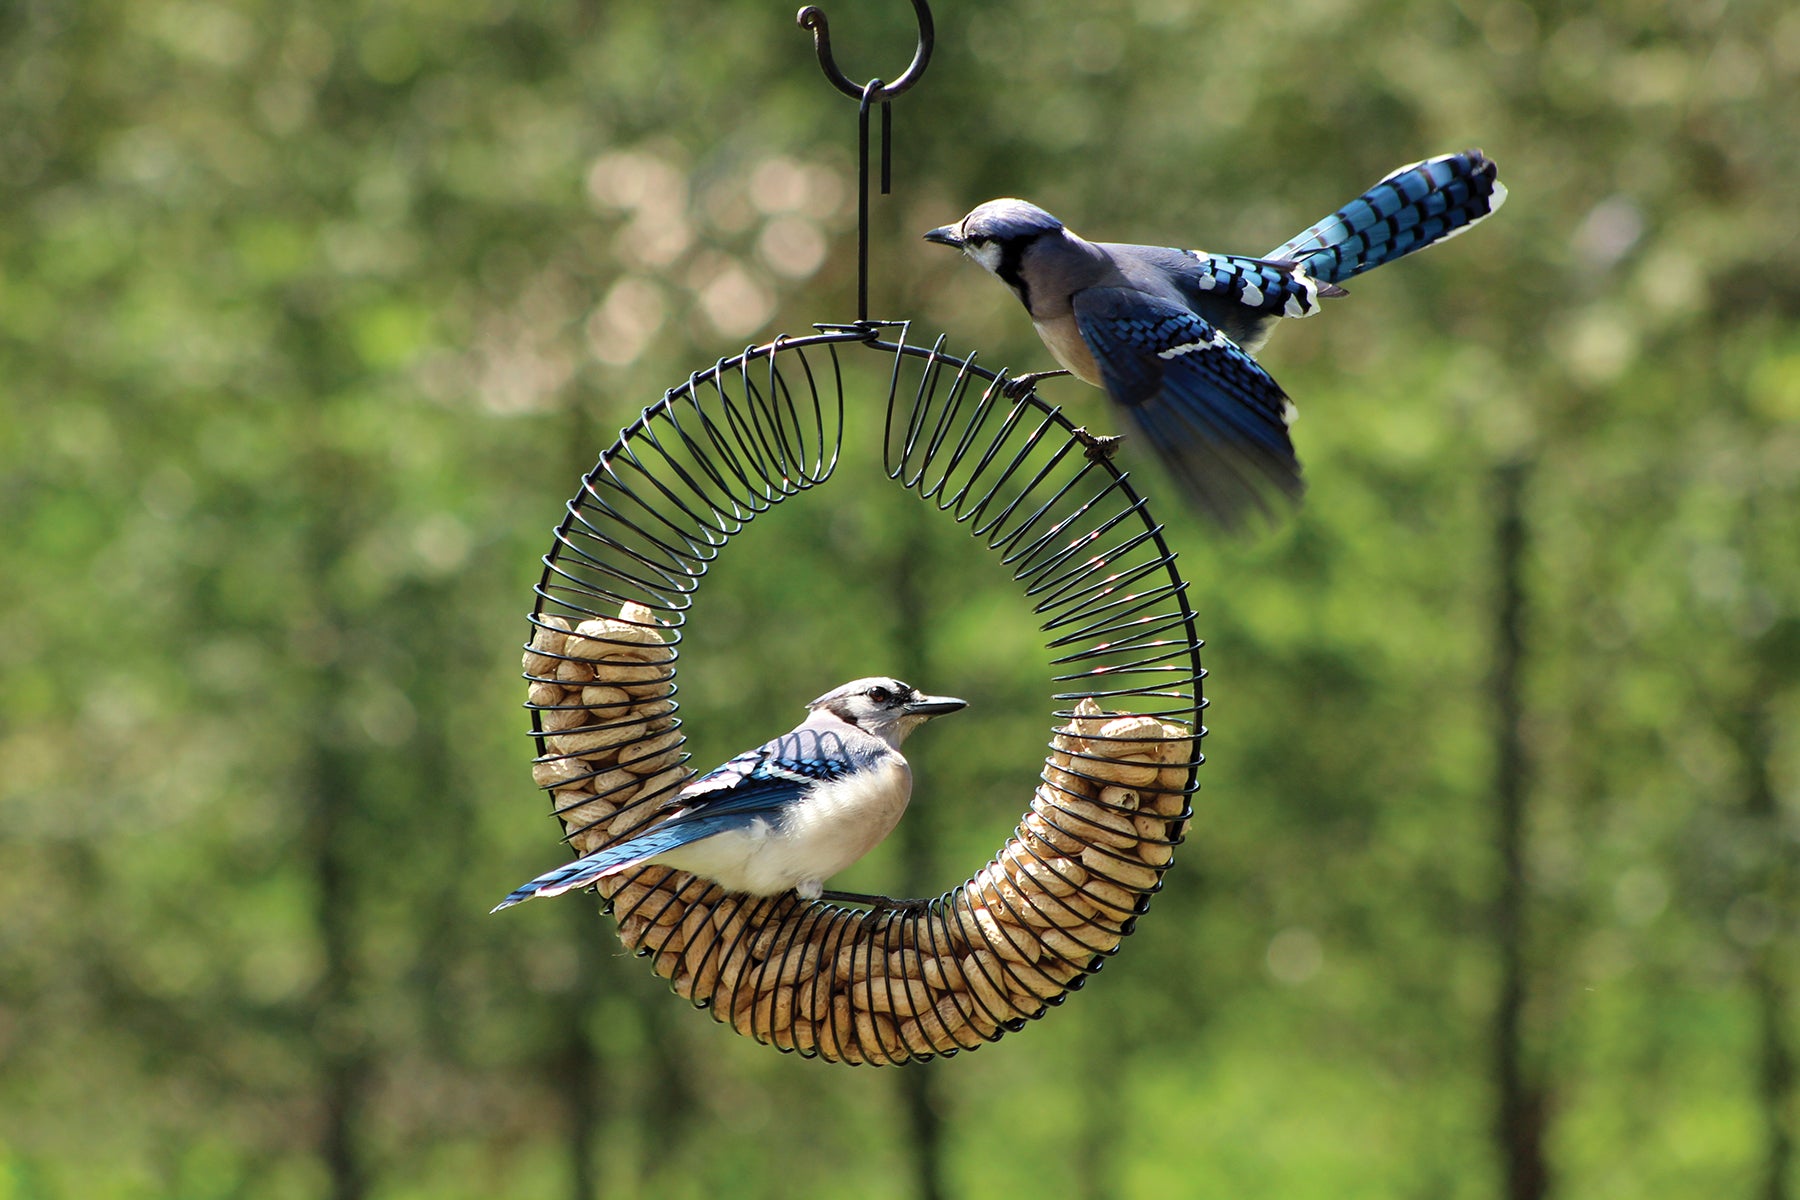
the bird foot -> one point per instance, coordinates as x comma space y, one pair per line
877, 903
1100, 447
1019, 386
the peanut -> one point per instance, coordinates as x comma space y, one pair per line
1114, 797
547, 639
600, 697
553, 772
1129, 874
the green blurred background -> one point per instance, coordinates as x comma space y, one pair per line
312, 314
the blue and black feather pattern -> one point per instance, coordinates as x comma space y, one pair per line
757, 784
1278, 289
1409, 210
1211, 412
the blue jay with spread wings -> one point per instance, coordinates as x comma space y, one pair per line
788, 815
1170, 334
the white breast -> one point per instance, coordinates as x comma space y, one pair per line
834, 827
838, 825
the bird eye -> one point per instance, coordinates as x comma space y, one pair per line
880, 695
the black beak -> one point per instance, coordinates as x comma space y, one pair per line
945, 235
934, 706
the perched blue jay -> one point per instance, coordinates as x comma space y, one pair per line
1169, 333
789, 814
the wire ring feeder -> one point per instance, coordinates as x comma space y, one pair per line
851, 985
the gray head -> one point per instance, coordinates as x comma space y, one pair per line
884, 707
1030, 250
997, 232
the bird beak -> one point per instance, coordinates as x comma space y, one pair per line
945, 235
934, 706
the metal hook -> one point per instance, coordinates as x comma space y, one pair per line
813, 17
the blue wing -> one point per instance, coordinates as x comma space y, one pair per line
756, 785
1214, 415
1409, 210
772, 774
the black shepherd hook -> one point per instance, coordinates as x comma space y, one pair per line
874, 91
813, 17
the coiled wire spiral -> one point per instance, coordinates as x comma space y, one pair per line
844, 984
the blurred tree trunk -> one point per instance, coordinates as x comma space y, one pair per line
926, 1130
579, 1068
912, 610
578, 1059
1519, 1108
339, 1039
334, 770
1769, 883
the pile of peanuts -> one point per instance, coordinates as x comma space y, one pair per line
847, 985
602, 691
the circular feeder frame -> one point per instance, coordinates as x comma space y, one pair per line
847, 984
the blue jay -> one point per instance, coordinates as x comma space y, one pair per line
789, 814
1169, 333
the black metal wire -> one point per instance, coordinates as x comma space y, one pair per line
752, 431
875, 91
812, 18
862, 195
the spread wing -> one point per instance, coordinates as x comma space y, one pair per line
1212, 413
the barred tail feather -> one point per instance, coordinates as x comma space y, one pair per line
1412, 208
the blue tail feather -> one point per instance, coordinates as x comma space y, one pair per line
1409, 210
622, 856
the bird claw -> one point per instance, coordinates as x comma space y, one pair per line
1100, 447
903, 907
1019, 386
878, 903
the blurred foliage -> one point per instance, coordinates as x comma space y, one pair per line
311, 314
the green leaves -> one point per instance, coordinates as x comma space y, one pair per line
311, 316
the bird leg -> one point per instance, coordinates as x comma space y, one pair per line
877, 903
1100, 447
1016, 387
